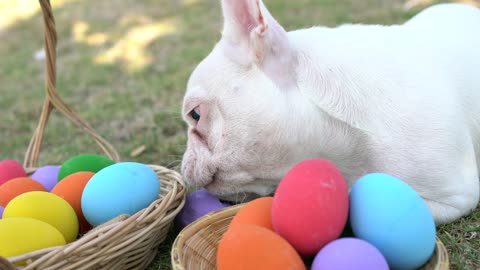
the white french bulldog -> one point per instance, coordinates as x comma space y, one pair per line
400, 99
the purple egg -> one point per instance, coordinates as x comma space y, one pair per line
349, 254
1, 211
225, 204
197, 204
47, 176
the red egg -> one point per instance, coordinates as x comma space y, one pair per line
10, 169
310, 205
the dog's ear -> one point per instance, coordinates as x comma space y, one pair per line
255, 36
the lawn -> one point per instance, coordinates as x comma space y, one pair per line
123, 66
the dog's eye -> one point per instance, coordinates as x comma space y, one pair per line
195, 115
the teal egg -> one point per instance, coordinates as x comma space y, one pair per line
388, 213
122, 188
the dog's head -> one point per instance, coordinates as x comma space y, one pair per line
238, 107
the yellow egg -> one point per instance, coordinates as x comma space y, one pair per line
46, 207
19, 235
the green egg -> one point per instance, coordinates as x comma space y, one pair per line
84, 163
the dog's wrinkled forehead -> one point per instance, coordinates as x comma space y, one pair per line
213, 72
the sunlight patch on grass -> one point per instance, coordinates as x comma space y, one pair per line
189, 2
134, 19
13, 11
418, 3
471, 2
131, 48
80, 34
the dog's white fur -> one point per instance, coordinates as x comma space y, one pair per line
400, 99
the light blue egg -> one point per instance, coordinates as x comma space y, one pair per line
391, 215
121, 188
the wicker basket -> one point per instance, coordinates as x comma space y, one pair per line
195, 248
126, 242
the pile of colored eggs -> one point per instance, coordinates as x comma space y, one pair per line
313, 221
57, 204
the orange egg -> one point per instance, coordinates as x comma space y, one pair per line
71, 189
17, 186
253, 247
257, 212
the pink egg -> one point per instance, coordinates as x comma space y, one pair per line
310, 205
10, 169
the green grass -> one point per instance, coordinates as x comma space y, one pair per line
133, 97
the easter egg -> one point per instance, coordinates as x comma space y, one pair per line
47, 176
46, 207
122, 188
349, 254
84, 163
1, 211
20, 235
197, 204
71, 189
310, 205
257, 212
18, 186
252, 247
389, 214
10, 169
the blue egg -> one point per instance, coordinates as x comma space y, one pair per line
121, 188
391, 215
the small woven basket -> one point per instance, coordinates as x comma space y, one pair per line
126, 242
195, 248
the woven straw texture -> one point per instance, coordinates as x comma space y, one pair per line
126, 242
195, 247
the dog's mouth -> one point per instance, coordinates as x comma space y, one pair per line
231, 193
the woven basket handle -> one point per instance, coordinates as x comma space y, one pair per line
53, 100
